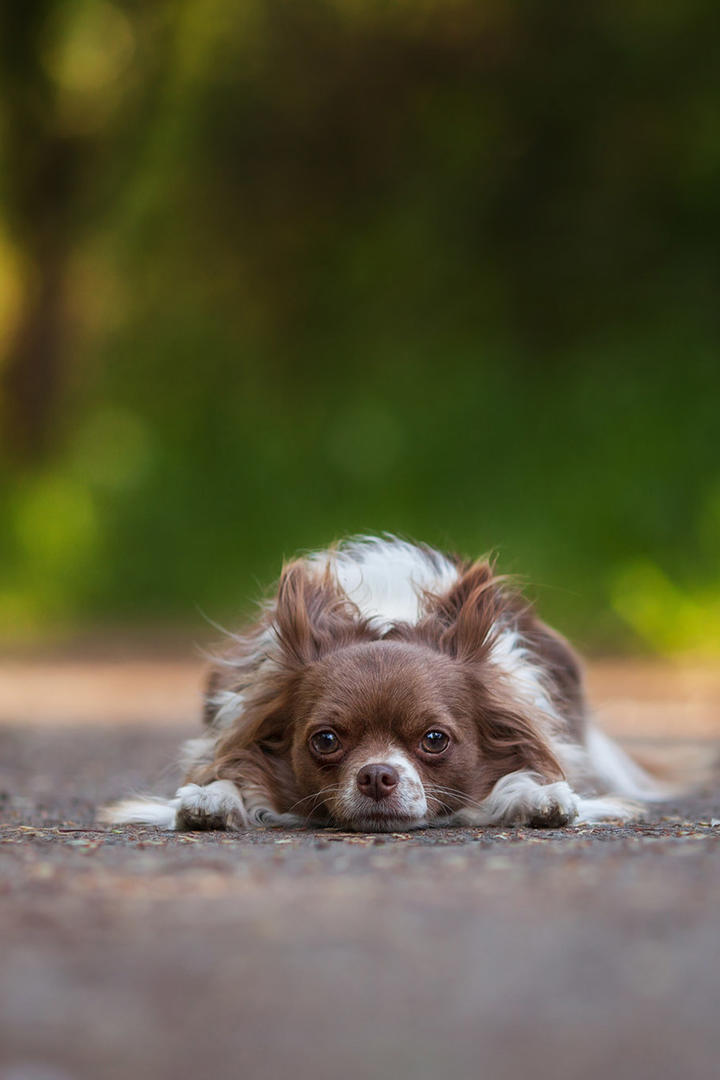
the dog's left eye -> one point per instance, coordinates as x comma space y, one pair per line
434, 742
325, 742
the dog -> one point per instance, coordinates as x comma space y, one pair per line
388, 686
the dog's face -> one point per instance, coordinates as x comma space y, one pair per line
384, 737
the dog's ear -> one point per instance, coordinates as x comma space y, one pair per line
466, 623
463, 621
313, 617
248, 688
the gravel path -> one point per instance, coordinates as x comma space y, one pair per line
580, 953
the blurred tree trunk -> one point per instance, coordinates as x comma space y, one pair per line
38, 165
34, 360
50, 173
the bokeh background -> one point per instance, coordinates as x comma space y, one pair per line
273, 272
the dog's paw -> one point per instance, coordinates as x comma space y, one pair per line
210, 806
555, 805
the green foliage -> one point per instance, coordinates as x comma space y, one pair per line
445, 269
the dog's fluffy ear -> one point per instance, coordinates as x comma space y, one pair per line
313, 617
463, 621
309, 618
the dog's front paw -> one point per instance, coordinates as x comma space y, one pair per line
210, 806
556, 805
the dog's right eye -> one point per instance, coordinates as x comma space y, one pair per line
325, 742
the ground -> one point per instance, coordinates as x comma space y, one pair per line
585, 952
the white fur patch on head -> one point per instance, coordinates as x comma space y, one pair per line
386, 577
406, 808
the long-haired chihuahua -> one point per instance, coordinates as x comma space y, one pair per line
388, 686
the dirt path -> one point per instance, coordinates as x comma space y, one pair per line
589, 952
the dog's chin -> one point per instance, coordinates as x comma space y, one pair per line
380, 822
388, 825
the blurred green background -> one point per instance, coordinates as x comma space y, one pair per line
273, 272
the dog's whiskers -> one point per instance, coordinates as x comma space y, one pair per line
466, 800
315, 795
439, 803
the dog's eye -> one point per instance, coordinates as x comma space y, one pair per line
325, 742
434, 742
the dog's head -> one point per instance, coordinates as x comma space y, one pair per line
385, 732
383, 735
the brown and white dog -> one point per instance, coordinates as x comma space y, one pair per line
387, 687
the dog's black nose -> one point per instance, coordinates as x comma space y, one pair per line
378, 781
